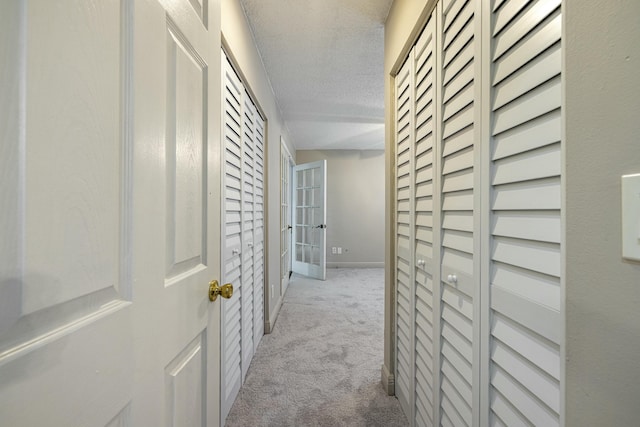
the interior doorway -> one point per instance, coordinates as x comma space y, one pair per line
310, 219
286, 169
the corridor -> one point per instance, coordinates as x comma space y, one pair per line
321, 364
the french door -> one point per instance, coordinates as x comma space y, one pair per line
310, 228
286, 166
110, 214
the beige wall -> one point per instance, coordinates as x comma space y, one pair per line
602, 142
355, 205
238, 41
602, 128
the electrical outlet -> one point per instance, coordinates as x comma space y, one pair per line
334, 250
272, 291
339, 251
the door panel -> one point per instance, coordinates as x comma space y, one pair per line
243, 254
424, 116
248, 226
185, 156
233, 223
65, 282
285, 216
525, 333
309, 231
176, 219
486, 226
184, 389
459, 182
404, 223
258, 233
186, 207
105, 318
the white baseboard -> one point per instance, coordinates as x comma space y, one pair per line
355, 264
388, 381
270, 323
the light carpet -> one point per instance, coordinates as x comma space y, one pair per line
321, 364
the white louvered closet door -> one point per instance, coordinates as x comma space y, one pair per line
459, 117
258, 232
478, 212
243, 251
424, 136
248, 207
525, 228
404, 225
233, 223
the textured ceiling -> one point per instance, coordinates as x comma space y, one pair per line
325, 62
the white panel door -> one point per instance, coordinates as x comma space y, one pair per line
310, 229
176, 237
66, 343
109, 214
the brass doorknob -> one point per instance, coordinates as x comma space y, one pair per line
225, 291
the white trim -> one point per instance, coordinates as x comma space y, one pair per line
388, 381
270, 323
437, 219
479, 187
485, 213
283, 144
563, 220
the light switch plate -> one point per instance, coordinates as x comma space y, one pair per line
631, 217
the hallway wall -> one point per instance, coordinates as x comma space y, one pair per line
355, 205
602, 143
237, 38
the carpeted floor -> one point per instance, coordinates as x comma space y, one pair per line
321, 364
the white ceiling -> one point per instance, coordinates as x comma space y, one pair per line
325, 62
